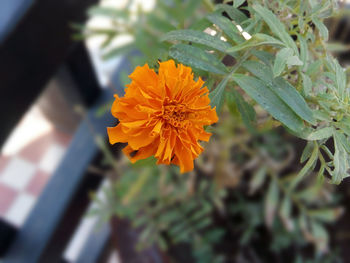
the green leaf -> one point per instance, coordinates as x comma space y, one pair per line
307, 85
307, 152
264, 56
247, 111
256, 40
321, 134
320, 235
232, 12
344, 141
327, 215
294, 61
308, 166
276, 26
150, 161
337, 47
321, 28
227, 27
293, 99
303, 50
201, 24
269, 101
238, 3
340, 77
314, 67
197, 37
271, 201
260, 70
281, 60
160, 24
341, 160
217, 95
197, 58
282, 89
190, 7
285, 213
107, 11
258, 180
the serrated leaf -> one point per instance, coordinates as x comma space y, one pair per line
197, 58
281, 60
321, 134
269, 101
227, 27
217, 95
246, 110
257, 40
197, 37
276, 26
321, 28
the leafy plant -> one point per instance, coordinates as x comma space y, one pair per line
280, 96
167, 209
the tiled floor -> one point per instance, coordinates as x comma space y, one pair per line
27, 161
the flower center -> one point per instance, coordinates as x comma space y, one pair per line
175, 114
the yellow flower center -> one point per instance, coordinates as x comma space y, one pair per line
175, 114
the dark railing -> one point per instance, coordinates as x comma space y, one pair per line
30, 54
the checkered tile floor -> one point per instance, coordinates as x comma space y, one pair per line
24, 173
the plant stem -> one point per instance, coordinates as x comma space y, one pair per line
209, 5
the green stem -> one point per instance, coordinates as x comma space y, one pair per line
209, 5
287, 192
240, 61
136, 187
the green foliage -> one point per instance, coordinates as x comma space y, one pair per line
303, 87
199, 58
167, 209
279, 73
293, 215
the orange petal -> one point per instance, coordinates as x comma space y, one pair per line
144, 152
141, 140
184, 156
115, 134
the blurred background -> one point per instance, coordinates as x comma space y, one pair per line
60, 63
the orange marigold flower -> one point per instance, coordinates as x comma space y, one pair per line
163, 115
